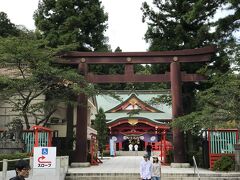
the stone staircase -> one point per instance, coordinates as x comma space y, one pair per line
127, 168
130, 153
135, 153
135, 176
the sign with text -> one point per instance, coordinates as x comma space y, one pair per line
44, 157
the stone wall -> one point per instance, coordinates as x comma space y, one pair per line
7, 114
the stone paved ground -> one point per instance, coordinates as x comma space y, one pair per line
130, 164
127, 168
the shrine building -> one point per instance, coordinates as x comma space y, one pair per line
132, 119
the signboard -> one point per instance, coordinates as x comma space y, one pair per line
44, 157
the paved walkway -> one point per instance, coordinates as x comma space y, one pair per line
130, 164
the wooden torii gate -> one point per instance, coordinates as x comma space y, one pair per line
175, 76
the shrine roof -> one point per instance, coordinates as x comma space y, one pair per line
153, 116
151, 120
136, 103
113, 111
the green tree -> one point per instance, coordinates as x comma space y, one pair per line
187, 24
216, 106
72, 22
102, 130
6, 27
174, 25
72, 25
118, 49
29, 72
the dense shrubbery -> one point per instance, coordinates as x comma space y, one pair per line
198, 157
106, 153
12, 156
225, 163
169, 156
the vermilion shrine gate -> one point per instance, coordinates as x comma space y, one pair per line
175, 77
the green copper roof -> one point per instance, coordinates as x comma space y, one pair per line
106, 102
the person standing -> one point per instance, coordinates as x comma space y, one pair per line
130, 146
145, 168
156, 169
22, 169
136, 149
149, 150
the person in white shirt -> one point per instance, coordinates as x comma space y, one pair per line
156, 169
136, 149
145, 168
130, 146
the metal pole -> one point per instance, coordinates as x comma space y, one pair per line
195, 167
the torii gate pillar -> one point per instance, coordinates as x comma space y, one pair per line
81, 152
177, 110
81, 130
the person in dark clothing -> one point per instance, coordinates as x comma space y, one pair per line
22, 170
149, 150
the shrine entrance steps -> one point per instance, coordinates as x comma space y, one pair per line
136, 177
130, 153
136, 153
127, 168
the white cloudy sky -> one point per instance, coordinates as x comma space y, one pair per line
125, 30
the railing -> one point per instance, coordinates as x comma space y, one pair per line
221, 143
29, 140
195, 168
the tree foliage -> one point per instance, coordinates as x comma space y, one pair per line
101, 127
187, 24
72, 22
217, 106
174, 25
28, 72
6, 27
